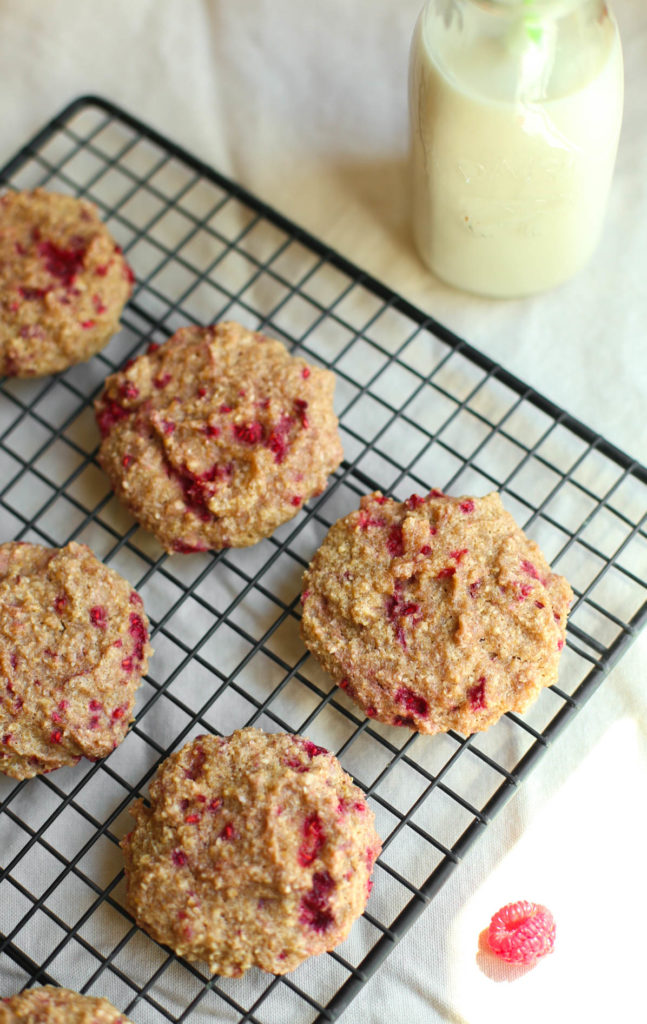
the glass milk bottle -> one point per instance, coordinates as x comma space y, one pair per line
515, 109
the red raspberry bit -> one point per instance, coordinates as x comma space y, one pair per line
539, 604
110, 413
315, 910
371, 712
184, 548
168, 426
127, 664
522, 932
62, 263
249, 433
99, 304
87, 324
215, 804
467, 506
63, 705
435, 493
228, 832
30, 295
474, 588
404, 720
412, 701
161, 382
211, 431
128, 390
414, 501
525, 590
296, 500
365, 519
305, 373
313, 842
118, 713
458, 554
128, 273
311, 749
445, 573
56, 736
476, 695
560, 645
153, 347
135, 598
344, 684
530, 569
224, 409
8, 736
425, 549
94, 722
99, 616
179, 858
395, 542
192, 819
102, 270
202, 391
139, 633
95, 705
301, 405
59, 603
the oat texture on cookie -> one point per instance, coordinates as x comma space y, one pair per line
52, 1005
63, 282
73, 649
435, 613
256, 850
215, 438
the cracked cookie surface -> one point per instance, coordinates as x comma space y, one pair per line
435, 613
215, 438
73, 648
63, 282
257, 850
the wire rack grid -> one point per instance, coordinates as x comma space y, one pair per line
418, 407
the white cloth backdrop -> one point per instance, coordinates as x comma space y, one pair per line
304, 103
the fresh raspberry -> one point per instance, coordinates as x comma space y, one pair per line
522, 932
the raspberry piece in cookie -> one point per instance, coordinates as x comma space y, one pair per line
434, 613
257, 850
63, 282
51, 1005
215, 438
73, 649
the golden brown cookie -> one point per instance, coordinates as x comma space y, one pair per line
73, 648
434, 613
257, 850
50, 1005
217, 437
63, 282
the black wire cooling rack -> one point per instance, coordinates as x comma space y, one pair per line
418, 408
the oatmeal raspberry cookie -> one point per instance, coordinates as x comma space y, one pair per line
256, 851
217, 437
434, 613
63, 282
50, 1005
73, 648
